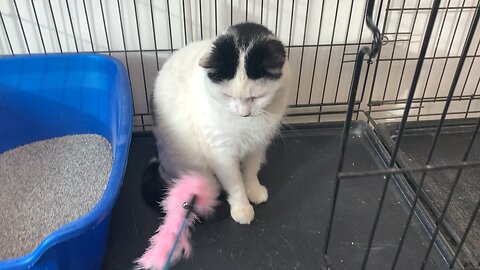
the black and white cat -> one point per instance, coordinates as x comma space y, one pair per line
217, 105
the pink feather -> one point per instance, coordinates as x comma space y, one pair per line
181, 191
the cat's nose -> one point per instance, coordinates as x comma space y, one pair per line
243, 109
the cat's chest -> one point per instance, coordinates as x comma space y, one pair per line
240, 136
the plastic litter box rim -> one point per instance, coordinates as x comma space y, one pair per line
120, 156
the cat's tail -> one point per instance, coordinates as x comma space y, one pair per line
188, 198
153, 185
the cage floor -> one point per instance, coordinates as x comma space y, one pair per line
288, 230
452, 144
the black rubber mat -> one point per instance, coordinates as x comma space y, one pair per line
288, 230
451, 146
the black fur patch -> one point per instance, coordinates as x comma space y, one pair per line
265, 59
153, 186
222, 62
266, 55
248, 32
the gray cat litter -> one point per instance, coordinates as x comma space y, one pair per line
47, 184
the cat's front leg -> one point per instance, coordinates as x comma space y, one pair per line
251, 163
228, 173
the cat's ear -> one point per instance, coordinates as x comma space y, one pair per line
221, 61
223, 53
207, 61
265, 59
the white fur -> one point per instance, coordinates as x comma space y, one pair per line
200, 125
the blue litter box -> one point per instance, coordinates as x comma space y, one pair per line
46, 96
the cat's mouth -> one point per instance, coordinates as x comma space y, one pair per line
249, 116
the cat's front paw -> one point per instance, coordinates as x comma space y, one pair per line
257, 194
242, 214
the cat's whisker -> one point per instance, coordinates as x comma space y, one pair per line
291, 128
269, 114
272, 117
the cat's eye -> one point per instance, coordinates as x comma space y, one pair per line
257, 97
227, 96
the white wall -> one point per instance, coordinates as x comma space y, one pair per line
333, 30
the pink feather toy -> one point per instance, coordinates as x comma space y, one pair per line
188, 198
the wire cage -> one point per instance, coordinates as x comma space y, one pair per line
407, 93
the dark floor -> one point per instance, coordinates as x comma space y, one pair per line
452, 144
288, 230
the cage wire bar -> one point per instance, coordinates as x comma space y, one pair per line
403, 123
424, 69
435, 140
423, 98
448, 100
371, 52
295, 24
392, 161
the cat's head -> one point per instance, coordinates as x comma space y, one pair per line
245, 68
